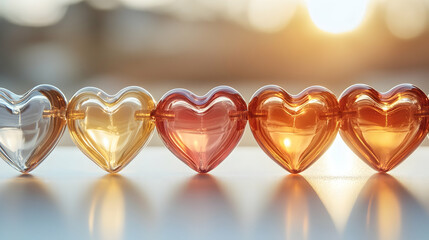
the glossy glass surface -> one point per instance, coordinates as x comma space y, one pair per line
30, 125
383, 129
201, 130
294, 130
111, 130
333, 199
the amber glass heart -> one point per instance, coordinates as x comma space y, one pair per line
383, 128
30, 125
111, 130
201, 130
294, 130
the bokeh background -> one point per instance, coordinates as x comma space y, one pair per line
199, 44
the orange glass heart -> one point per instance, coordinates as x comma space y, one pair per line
383, 129
294, 130
111, 130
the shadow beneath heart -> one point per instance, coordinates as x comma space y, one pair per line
115, 209
201, 210
29, 211
295, 212
386, 210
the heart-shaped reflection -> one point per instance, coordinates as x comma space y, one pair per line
201, 130
28, 201
30, 125
294, 130
111, 130
383, 129
386, 209
295, 212
112, 209
202, 201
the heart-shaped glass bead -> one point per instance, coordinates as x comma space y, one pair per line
294, 130
30, 125
383, 129
111, 129
201, 130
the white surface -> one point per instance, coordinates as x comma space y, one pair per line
247, 196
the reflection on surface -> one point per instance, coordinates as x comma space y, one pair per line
201, 210
295, 212
28, 211
116, 210
338, 195
386, 210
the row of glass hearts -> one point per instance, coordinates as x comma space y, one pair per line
294, 130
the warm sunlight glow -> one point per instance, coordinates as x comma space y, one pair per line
338, 193
286, 142
406, 19
106, 218
337, 16
340, 159
271, 15
388, 215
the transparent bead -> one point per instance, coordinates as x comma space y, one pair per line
294, 130
111, 129
31, 125
201, 130
383, 129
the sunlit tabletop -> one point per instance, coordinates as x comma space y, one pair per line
247, 196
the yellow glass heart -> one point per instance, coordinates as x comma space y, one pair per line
111, 129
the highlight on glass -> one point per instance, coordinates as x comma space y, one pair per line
201, 130
111, 129
31, 125
383, 129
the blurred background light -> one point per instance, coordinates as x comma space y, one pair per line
337, 16
104, 4
199, 44
271, 15
143, 4
39, 62
237, 10
33, 13
406, 19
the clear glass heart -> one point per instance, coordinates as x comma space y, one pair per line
31, 125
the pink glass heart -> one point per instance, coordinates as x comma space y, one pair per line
30, 125
201, 130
